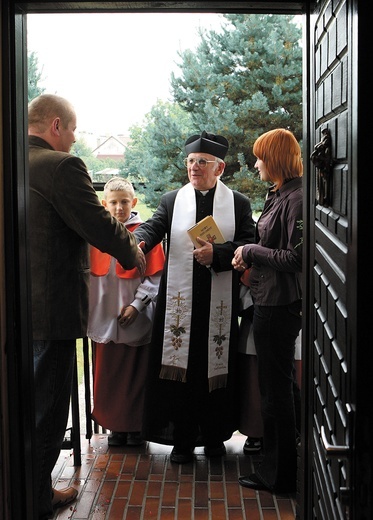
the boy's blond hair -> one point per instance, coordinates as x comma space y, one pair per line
119, 184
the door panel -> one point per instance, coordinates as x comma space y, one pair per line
330, 412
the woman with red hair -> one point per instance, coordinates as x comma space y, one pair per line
275, 263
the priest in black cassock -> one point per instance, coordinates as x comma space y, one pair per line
191, 395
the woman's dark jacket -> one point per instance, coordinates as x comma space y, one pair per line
276, 259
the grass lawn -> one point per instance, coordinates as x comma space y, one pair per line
144, 211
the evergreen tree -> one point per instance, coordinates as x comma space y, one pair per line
242, 80
153, 160
34, 76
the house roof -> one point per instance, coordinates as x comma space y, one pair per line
111, 146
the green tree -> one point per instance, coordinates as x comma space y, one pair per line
81, 149
153, 160
34, 76
94, 165
242, 80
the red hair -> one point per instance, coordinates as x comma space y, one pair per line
281, 153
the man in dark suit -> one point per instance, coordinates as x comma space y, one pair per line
191, 394
65, 216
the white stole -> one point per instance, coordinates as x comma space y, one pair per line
179, 290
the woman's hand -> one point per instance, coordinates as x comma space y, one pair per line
238, 262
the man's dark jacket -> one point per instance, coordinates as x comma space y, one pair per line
65, 216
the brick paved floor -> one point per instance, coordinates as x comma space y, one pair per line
140, 483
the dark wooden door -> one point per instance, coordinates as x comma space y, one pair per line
336, 485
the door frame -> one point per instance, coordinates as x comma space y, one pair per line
17, 430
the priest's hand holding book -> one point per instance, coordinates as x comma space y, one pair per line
207, 227
204, 253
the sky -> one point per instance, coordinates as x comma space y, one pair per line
113, 67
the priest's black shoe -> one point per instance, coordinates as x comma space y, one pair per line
215, 450
252, 482
181, 455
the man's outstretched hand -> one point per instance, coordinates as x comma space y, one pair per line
141, 260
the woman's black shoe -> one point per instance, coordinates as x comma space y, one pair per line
252, 482
252, 445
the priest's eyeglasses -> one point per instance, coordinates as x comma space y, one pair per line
202, 163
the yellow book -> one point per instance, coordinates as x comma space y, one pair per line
208, 230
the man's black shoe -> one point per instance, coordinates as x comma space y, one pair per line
181, 455
252, 482
217, 450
